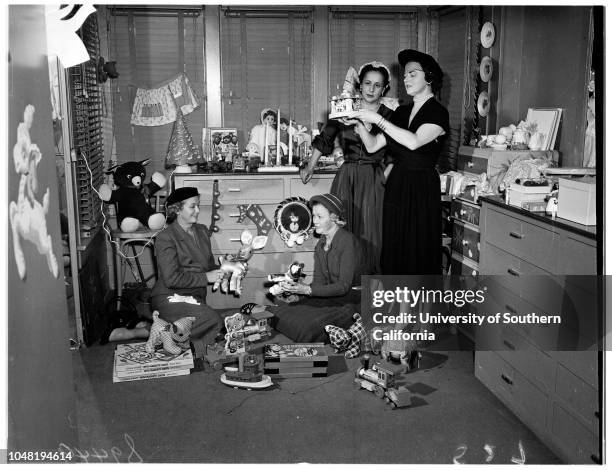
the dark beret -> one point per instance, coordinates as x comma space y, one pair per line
180, 194
426, 61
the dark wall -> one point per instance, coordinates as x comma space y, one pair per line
40, 378
544, 54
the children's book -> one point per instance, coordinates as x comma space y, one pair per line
304, 352
152, 375
132, 359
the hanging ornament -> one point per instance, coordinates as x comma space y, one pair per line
256, 214
214, 216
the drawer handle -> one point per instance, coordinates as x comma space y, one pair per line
235, 240
597, 415
516, 235
510, 308
509, 345
514, 272
507, 379
233, 190
470, 164
234, 215
596, 459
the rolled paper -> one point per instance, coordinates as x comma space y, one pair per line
265, 155
290, 142
278, 137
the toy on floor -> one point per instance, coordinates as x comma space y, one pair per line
380, 379
293, 275
243, 329
174, 337
248, 374
235, 267
131, 195
350, 340
400, 351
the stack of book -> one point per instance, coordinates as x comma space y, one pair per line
285, 361
133, 362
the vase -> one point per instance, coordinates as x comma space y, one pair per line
536, 141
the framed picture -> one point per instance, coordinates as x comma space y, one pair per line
547, 121
221, 143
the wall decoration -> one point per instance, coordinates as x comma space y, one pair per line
546, 122
28, 216
293, 220
256, 214
62, 39
157, 106
484, 104
486, 69
487, 35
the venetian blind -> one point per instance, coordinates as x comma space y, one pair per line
86, 113
358, 37
151, 48
451, 56
266, 63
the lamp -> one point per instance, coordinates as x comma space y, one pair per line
182, 152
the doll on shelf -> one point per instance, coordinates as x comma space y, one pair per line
265, 133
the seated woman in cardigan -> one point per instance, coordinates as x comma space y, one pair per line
186, 266
338, 265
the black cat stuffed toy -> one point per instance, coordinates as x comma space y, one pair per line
131, 196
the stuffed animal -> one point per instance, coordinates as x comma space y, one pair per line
293, 275
131, 196
234, 267
349, 340
174, 337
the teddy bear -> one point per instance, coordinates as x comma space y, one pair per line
174, 337
131, 196
349, 340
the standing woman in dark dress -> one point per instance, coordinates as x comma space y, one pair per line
359, 181
412, 227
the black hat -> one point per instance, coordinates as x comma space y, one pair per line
180, 194
427, 62
332, 203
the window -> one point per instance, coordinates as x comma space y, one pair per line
266, 63
152, 46
357, 37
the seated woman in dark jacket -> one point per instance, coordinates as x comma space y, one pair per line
338, 265
185, 267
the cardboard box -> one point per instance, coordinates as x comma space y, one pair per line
518, 194
577, 200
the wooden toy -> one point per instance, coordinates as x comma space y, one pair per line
380, 379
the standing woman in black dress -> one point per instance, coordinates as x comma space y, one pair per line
412, 227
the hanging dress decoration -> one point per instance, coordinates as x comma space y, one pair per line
181, 149
156, 106
293, 220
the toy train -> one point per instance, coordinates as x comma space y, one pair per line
380, 379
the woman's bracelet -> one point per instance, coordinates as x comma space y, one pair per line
382, 124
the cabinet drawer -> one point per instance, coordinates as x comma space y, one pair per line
317, 185
523, 239
466, 240
229, 213
583, 364
578, 394
576, 440
472, 164
244, 190
580, 255
465, 211
227, 240
461, 266
495, 373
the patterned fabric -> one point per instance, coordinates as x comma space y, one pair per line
349, 340
156, 106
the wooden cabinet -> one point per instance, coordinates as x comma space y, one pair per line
266, 190
554, 392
